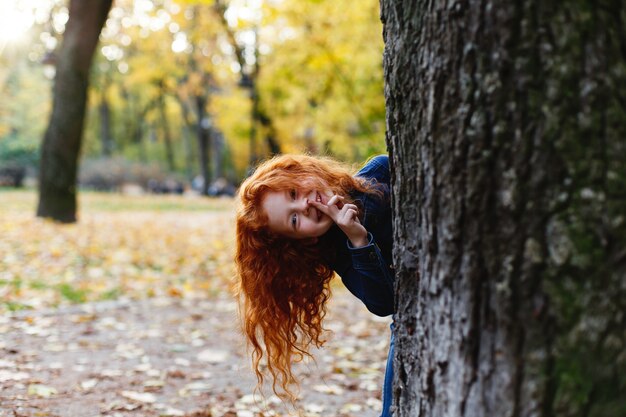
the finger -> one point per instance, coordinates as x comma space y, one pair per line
321, 207
349, 206
330, 211
352, 214
347, 217
335, 200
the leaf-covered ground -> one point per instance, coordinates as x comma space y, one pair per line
130, 247
129, 313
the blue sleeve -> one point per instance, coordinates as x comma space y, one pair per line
369, 278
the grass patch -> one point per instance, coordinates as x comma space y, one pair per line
15, 306
72, 294
25, 200
38, 285
113, 294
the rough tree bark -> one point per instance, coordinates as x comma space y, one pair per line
506, 123
62, 140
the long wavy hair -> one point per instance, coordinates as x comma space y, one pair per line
283, 283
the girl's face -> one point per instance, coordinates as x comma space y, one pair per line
290, 214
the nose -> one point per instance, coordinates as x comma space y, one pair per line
303, 205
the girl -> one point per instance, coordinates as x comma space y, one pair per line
300, 220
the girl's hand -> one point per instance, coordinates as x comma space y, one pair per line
345, 216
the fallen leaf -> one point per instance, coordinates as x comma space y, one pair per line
329, 389
88, 384
213, 356
6, 364
141, 397
351, 407
194, 388
12, 376
153, 385
314, 408
166, 411
121, 406
111, 373
182, 362
41, 390
176, 373
374, 403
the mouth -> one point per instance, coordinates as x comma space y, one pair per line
318, 198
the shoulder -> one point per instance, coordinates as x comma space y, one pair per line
377, 168
376, 173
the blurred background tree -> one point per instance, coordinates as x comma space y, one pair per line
63, 138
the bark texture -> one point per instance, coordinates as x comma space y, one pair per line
506, 123
62, 140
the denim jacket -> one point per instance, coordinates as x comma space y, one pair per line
367, 271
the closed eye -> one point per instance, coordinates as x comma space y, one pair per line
292, 194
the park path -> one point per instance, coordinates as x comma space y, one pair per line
177, 357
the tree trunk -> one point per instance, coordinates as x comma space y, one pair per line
105, 125
254, 118
187, 135
62, 140
506, 125
138, 132
271, 141
167, 137
204, 145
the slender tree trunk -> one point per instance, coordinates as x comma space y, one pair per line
105, 125
204, 145
187, 134
62, 140
138, 138
254, 118
506, 127
138, 133
167, 137
219, 152
270, 133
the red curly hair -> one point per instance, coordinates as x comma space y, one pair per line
283, 282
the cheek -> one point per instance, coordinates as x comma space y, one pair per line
326, 222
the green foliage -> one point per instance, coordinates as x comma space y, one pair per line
323, 80
21, 109
72, 294
112, 294
19, 151
15, 306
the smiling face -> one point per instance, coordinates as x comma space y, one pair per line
289, 213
